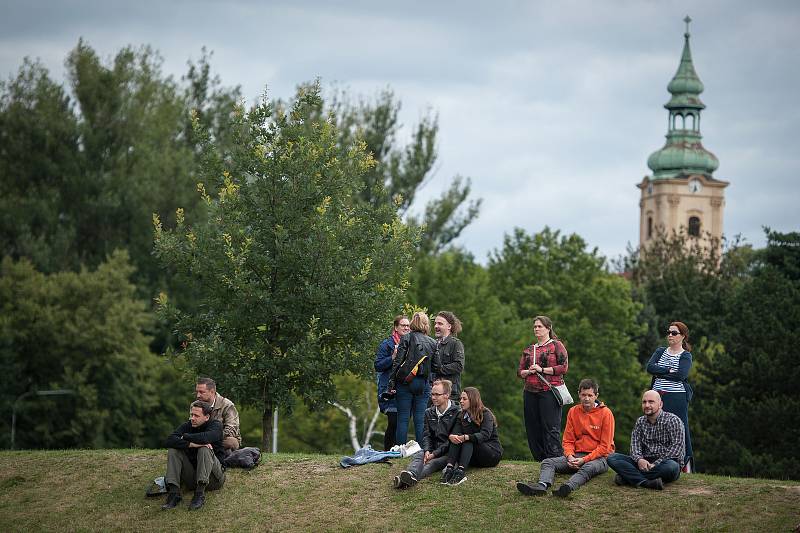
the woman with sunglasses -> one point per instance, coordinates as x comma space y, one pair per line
670, 367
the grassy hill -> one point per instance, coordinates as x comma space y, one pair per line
104, 491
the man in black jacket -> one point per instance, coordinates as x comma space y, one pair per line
194, 457
439, 421
448, 363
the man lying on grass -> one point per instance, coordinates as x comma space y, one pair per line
194, 457
588, 439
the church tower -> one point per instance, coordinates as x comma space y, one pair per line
682, 192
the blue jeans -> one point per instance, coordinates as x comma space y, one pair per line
626, 467
412, 398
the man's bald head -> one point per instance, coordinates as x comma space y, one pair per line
651, 403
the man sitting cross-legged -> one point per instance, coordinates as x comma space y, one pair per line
657, 448
194, 457
588, 439
439, 421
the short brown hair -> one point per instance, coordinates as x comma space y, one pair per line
589, 383
206, 407
447, 385
208, 382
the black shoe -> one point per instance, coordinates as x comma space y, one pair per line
619, 481
535, 489
407, 478
563, 491
197, 501
397, 483
459, 476
655, 484
173, 499
447, 473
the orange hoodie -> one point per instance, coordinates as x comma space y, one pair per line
591, 432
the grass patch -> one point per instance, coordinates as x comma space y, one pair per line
104, 491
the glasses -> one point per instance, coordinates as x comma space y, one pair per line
404, 325
437, 394
673, 332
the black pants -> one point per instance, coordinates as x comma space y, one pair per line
391, 429
543, 424
469, 454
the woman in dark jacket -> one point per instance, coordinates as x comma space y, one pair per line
474, 441
383, 366
548, 358
670, 366
413, 391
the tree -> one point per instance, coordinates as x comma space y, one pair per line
592, 310
295, 277
83, 332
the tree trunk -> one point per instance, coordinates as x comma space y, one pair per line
266, 429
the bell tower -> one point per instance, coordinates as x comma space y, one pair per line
682, 192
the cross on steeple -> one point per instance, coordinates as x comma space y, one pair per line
687, 20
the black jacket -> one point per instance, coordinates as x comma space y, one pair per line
449, 364
410, 344
483, 435
438, 429
208, 433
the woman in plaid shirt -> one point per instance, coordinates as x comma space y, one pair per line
548, 358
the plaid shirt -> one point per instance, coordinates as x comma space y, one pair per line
660, 441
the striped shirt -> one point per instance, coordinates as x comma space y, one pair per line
660, 441
670, 361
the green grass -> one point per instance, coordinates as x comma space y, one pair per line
104, 491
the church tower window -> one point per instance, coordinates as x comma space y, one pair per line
694, 226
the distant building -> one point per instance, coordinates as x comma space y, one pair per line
682, 193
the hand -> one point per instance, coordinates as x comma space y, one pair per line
456, 439
574, 462
427, 457
394, 353
644, 465
536, 368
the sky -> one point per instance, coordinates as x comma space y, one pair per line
540, 104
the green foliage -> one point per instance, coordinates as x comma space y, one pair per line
295, 277
83, 332
592, 311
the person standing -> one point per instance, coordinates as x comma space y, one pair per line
543, 365
411, 372
670, 365
383, 366
449, 360
657, 448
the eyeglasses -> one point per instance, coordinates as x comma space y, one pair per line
673, 332
404, 325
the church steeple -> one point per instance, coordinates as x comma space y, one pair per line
683, 154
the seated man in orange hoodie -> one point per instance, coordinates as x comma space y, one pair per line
588, 440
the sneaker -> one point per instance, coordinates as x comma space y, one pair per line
535, 489
655, 484
459, 476
407, 478
563, 491
397, 483
619, 481
447, 473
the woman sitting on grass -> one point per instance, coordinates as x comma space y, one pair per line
474, 440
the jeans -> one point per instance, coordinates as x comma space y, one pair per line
624, 465
542, 424
421, 471
412, 398
678, 404
587, 471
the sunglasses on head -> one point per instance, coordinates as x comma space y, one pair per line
673, 332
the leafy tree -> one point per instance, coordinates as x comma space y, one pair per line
82, 331
294, 276
592, 311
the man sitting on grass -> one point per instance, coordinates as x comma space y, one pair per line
439, 421
588, 439
194, 457
222, 409
657, 448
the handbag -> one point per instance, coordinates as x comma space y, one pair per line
561, 392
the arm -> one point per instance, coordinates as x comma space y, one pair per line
402, 350
636, 443
559, 369
455, 429
427, 435
383, 357
456, 366
677, 446
568, 441
606, 445
212, 434
523, 365
175, 439
663, 372
652, 365
230, 422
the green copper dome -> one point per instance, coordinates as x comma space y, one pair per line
683, 154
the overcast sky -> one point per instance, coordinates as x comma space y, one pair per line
539, 103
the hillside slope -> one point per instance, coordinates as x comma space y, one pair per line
104, 490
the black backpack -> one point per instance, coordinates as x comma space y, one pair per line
416, 363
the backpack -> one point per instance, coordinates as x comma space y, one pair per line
416, 362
